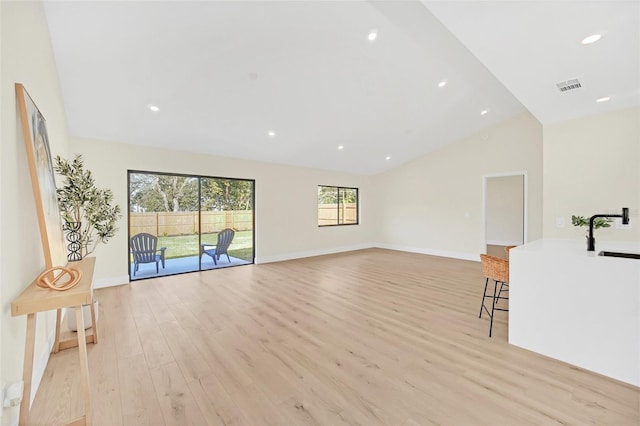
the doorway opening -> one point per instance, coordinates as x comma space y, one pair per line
505, 212
186, 223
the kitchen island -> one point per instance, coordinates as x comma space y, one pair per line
576, 306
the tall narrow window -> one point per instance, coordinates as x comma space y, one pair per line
337, 206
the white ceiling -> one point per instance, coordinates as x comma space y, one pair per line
532, 45
224, 74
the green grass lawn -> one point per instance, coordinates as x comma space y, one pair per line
187, 245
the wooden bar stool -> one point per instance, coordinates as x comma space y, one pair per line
496, 269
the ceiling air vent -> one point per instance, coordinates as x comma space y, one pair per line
565, 86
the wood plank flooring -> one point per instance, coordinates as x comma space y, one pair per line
372, 337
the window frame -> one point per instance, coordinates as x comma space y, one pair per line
357, 203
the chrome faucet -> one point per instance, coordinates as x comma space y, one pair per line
592, 241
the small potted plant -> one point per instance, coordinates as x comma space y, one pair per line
599, 222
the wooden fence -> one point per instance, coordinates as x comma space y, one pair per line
328, 213
185, 223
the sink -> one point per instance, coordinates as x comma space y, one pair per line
619, 254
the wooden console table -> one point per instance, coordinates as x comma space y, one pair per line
35, 299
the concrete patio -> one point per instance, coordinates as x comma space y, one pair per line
183, 264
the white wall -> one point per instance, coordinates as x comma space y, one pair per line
592, 165
504, 198
26, 57
434, 204
286, 201
1, 266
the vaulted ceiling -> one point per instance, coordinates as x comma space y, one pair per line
293, 81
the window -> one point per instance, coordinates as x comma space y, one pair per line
337, 206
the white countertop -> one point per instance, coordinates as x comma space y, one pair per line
579, 247
576, 306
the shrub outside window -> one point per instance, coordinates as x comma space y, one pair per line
337, 206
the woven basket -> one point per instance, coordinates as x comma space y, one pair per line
495, 268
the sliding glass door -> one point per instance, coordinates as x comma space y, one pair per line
186, 223
226, 204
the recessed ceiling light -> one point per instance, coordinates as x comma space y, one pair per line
341, 147
154, 108
372, 35
603, 99
442, 83
484, 112
387, 158
271, 133
591, 39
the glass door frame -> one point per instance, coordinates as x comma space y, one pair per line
199, 177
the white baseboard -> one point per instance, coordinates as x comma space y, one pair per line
111, 281
311, 253
432, 252
504, 243
124, 279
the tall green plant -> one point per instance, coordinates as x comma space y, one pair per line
80, 201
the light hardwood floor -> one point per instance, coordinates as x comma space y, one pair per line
372, 337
